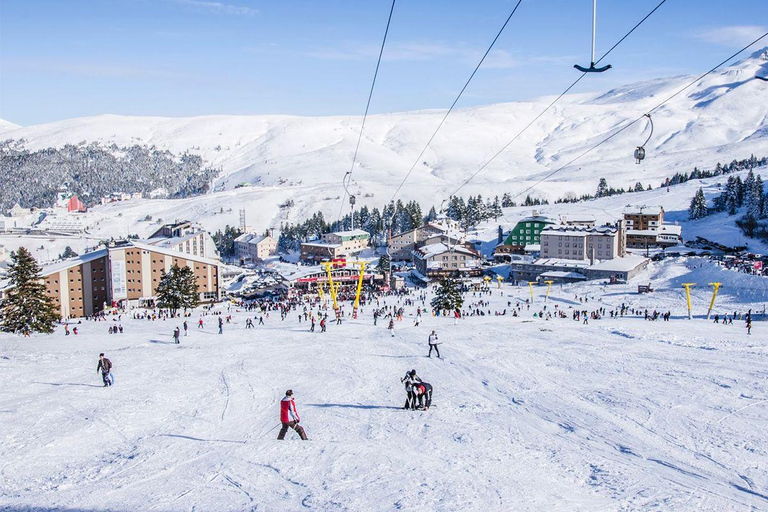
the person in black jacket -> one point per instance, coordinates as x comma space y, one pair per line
105, 365
424, 392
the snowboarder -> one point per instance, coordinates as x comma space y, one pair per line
176, 333
289, 417
424, 392
433, 343
105, 366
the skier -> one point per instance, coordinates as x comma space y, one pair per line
433, 343
200, 323
410, 380
105, 365
176, 333
322, 324
424, 392
391, 327
289, 417
186, 328
221, 325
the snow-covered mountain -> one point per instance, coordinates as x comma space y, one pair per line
722, 118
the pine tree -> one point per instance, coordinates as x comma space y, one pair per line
448, 295
384, 264
177, 289
698, 207
753, 196
602, 188
26, 308
432, 215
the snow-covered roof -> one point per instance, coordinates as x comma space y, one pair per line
562, 275
671, 229
556, 262
624, 264
431, 250
636, 209
564, 230
169, 252
351, 232
172, 241
71, 262
320, 244
538, 218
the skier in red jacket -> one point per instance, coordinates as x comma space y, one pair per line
289, 417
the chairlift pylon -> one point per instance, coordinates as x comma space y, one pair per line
592, 68
640, 150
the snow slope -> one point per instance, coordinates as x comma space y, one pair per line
620, 414
722, 118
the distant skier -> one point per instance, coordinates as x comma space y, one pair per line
186, 328
433, 343
289, 417
391, 327
424, 392
176, 333
200, 323
221, 326
105, 366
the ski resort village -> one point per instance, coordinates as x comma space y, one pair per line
385, 255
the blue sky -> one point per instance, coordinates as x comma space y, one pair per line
74, 58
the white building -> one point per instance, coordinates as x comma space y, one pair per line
439, 259
581, 243
184, 237
253, 247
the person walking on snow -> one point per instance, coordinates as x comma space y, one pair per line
105, 366
176, 333
391, 327
433, 343
221, 325
289, 417
200, 323
186, 328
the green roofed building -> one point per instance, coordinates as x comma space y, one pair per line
527, 232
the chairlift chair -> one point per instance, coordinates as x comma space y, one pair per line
763, 78
592, 68
640, 150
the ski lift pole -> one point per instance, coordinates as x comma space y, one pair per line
594, 30
499, 279
530, 285
359, 289
716, 287
688, 287
549, 287
328, 265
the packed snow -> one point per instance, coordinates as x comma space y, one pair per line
529, 413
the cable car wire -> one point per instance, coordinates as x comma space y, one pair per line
415, 162
367, 106
482, 167
651, 111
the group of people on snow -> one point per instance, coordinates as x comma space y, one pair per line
418, 393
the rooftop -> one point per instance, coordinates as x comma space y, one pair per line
632, 209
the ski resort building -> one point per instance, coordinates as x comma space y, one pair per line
184, 237
582, 243
441, 260
646, 228
401, 246
338, 245
122, 273
253, 247
527, 232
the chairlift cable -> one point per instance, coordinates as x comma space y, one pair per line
640, 118
367, 106
490, 47
496, 155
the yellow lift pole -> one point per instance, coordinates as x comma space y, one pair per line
359, 289
328, 267
549, 287
716, 287
688, 287
499, 279
530, 285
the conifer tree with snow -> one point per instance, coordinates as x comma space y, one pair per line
602, 188
448, 295
698, 207
177, 289
26, 308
